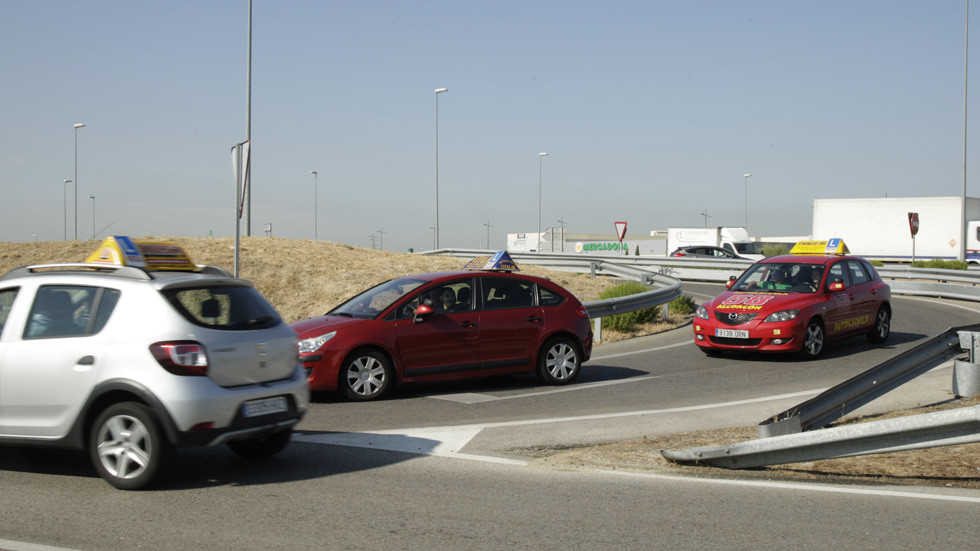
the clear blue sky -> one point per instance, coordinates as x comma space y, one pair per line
651, 112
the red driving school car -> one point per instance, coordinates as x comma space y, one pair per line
796, 303
443, 326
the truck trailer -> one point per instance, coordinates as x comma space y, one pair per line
880, 229
735, 240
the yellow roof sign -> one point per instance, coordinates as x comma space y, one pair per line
120, 250
831, 246
499, 261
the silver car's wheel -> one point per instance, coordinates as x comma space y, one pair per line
559, 361
813, 339
127, 447
366, 375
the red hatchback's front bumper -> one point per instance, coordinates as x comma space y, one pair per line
755, 335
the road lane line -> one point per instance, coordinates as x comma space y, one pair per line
475, 398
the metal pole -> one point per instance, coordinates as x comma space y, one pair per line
438, 91
64, 218
540, 157
92, 197
745, 180
75, 217
961, 253
248, 125
315, 210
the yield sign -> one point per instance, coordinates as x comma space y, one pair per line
620, 230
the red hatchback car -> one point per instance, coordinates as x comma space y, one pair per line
796, 303
443, 326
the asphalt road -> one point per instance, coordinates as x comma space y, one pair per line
440, 467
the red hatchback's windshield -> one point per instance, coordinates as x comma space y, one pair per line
371, 303
789, 277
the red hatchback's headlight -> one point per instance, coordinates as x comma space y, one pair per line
181, 357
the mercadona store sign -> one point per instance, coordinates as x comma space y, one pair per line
608, 247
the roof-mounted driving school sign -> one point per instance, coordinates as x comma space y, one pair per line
500, 261
121, 250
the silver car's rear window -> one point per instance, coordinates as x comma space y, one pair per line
228, 308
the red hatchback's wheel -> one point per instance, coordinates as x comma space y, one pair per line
559, 361
365, 375
879, 333
813, 339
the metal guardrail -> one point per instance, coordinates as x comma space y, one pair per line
874, 383
953, 284
928, 430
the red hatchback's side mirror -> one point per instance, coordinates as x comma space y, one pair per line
421, 311
837, 285
730, 282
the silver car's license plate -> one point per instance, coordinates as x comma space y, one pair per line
265, 406
732, 333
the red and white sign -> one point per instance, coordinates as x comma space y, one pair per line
620, 230
914, 223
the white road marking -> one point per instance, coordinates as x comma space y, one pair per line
474, 398
809, 487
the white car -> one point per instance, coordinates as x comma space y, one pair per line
132, 362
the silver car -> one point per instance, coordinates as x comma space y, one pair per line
131, 363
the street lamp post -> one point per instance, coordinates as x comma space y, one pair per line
76, 127
64, 217
315, 210
541, 156
438, 91
745, 181
92, 197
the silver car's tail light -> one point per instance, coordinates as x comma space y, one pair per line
181, 357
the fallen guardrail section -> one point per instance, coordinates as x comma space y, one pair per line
789, 436
928, 430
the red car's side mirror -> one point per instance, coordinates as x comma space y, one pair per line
730, 282
421, 311
837, 286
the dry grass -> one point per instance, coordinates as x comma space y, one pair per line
304, 278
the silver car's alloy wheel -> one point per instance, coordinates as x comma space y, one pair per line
124, 447
128, 448
366, 376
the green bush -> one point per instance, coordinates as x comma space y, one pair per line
938, 263
774, 249
627, 320
683, 305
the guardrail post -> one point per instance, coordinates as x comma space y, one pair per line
666, 311
966, 374
597, 332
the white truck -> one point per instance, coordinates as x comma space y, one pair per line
733, 239
879, 228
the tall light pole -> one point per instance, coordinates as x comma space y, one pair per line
64, 218
541, 156
92, 197
438, 91
76, 127
315, 210
745, 180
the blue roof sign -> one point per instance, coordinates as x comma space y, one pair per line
500, 261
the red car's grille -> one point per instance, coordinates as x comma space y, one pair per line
732, 318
